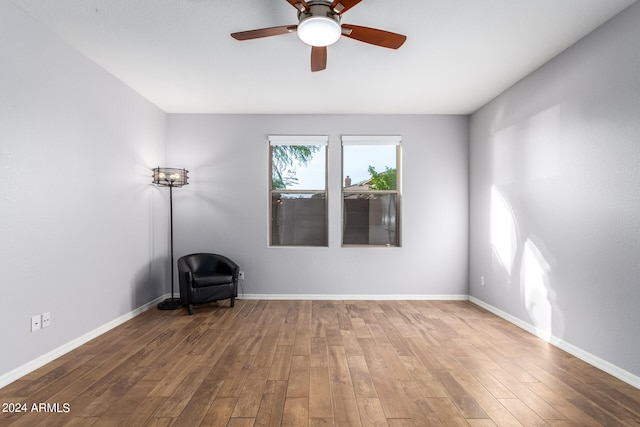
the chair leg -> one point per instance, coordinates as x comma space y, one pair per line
233, 301
190, 308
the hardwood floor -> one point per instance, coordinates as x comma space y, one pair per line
318, 363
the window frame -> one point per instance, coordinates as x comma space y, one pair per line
298, 140
373, 140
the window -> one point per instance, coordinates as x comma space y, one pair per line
298, 191
371, 190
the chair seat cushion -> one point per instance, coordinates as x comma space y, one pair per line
214, 279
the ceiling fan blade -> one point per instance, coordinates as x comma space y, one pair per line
301, 5
373, 36
341, 6
318, 58
264, 32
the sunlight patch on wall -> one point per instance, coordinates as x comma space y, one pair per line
535, 284
503, 230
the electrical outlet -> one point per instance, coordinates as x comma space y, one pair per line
46, 320
241, 275
482, 281
36, 323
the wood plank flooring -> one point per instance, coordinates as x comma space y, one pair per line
320, 363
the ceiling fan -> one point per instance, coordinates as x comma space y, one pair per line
319, 26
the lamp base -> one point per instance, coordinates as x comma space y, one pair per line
170, 304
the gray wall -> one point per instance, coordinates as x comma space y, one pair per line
225, 207
79, 233
560, 151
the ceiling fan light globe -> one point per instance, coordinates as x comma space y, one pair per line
319, 31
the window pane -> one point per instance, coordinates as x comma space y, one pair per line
370, 191
299, 219
298, 167
369, 167
370, 219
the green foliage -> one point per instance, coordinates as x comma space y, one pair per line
382, 180
283, 161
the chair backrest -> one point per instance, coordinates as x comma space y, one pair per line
202, 263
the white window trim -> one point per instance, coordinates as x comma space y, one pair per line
298, 140
371, 139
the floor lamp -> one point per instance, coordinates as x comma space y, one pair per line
170, 177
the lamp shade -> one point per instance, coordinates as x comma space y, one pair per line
170, 177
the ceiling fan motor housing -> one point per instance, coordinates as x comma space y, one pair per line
319, 25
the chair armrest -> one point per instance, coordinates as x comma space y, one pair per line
185, 277
228, 266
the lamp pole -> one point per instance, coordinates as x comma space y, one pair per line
171, 235
164, 177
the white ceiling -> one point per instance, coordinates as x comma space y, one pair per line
459, 54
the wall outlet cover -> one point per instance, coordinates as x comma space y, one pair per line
36, 323
46, 320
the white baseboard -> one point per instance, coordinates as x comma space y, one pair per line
31, 366
341, 297
601, 364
